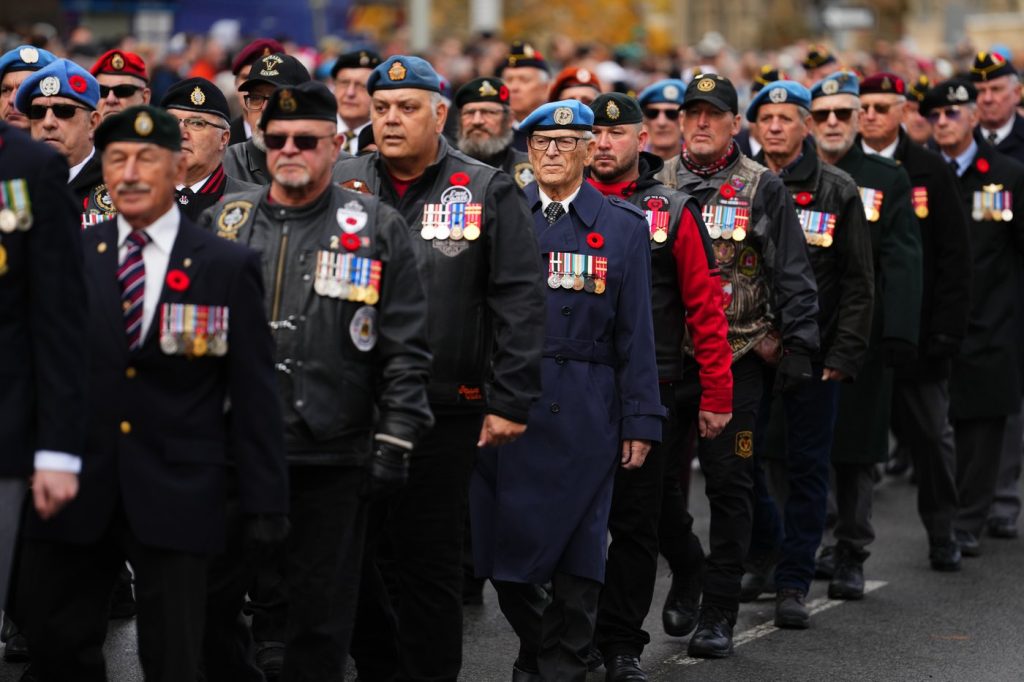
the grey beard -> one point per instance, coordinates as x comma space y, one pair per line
487, 149
257, 140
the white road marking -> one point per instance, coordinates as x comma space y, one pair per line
815, 606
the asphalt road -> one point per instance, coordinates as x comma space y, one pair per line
914, 624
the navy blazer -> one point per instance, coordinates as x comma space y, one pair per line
161, 435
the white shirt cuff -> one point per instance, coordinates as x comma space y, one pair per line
58, 461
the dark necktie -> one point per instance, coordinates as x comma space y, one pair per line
554, 211
131, 275
185, 196
955, 166
992, 139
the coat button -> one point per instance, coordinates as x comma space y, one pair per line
555, 409
559, 360
566, 310
126, 427
130, 373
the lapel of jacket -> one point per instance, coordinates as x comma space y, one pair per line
558, 237
184, 257
105, 286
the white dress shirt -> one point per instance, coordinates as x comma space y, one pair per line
1002, 132
77, 168
545, 200
196, 187
888, 152
155, 257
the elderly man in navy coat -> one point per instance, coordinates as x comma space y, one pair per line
540, 505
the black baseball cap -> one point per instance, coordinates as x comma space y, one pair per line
276, 69
714, 89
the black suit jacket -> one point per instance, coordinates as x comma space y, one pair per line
237, 130
161, 435
1013, 144
42, 312
88, 179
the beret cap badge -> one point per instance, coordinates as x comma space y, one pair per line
29, 55
270, 64
143, 124
49, 86
487, 90
197, 97
117, 61
397, 72
830, 87
778, 96
612, 110
287, 101
563, 116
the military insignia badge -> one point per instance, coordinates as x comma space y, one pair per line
562, 116
117, 62
744, 444
671, 92
397, 71
286, 100
101, 195
612, 110
143, 124
522, 173
197, 97
363, 328
583, 76
351, 217
778, 96
706, 84
270, 64
487, 90
29, 55
49, 86
830, 87
231, 218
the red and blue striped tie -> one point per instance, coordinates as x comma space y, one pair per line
131, 275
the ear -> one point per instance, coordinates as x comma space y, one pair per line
442, 116
180, 168
643, 137
225, 136
94, 121
736, 125
591, 148
146, 94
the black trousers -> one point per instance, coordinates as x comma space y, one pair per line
979, 443
412, 572
324, 557
63, 607
553, 633
921, 423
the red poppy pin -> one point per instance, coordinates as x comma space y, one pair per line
350, 242
77, 84
459, 178
982, 165
595, 240
803, 198
177, 280
727, 191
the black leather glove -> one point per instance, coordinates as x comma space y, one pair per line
389, 466
942, 346
794, 369
265, 531
898, 353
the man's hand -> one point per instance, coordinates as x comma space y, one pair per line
51, 490
833, 375
498, 431
712, 423
634, 452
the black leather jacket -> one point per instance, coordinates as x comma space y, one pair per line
347, 369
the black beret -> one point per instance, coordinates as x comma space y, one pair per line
276, 69
817, 55
143, 123
947, 93
482, 90
767, 74
197, 94
989, 65
523, 54
361, 59
306, 101
918, 88
616, 108
365, 138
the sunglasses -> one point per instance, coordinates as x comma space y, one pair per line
302, 142
120, 91
65, 111
952, 113
670, 114
842, 115
880, 109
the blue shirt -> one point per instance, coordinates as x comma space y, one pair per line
963, 161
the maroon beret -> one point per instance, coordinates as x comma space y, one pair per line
260, 47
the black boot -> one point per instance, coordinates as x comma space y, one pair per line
713, 638
944, 554
679, 615
758, 577
624, 668
848, 581
825, 565
16, 649
122, 599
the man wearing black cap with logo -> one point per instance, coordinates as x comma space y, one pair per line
921, 390
796, 427
350, 73
759, 250
241, 130
479, 261
686, 287
527, 75
202, 113
247, 161
349, 316
818, 63
176, 330
485, 128
985, 385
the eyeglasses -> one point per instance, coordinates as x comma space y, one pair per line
670, 114
256, 102
198, 124
842, 115
65, 111
302, 142
346, 84
542, 143
486, 113
952, 113
120, 91
880, 109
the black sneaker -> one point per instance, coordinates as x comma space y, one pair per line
16, 649
944, 555
713, 638
624, 668
790, 610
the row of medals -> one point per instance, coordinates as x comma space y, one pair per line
1006, 215
199, 345
456, 233
11, 220
588, 283
716, 232
346, 291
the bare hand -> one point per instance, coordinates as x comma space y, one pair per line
51, 490
712, 423
498, 431
634, 452
833, 375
